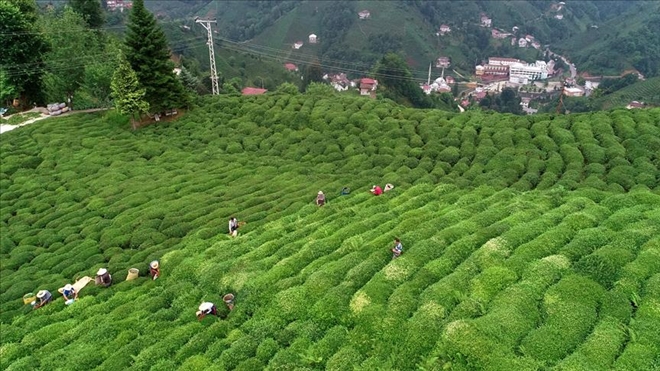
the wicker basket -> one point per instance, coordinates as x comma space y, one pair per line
132, 274
29, 298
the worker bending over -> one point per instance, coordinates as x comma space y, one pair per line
154, 269
205, 309
103, 278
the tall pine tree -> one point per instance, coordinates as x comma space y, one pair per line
127, 94
149, 56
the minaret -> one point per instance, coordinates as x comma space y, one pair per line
428, 82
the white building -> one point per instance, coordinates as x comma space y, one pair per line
298, 45
312, 39
522, 43
524, 73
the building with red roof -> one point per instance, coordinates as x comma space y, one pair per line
253, 91
291, 67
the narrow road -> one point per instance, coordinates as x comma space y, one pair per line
570, 65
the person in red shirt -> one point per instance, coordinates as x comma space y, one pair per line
376, 190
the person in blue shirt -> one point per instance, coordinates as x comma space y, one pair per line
397, 250
69, 292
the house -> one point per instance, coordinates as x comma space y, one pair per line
497, 34
524, 101
450, 80
177, 71
291, 67
339, 81
440, 85
443, 29
522, 43
635, 104
515, 29
364, 14
536, 44
297, 44
442, 62
312, 39
367, 86
559, 16
485, 21
573, 92
479, 70
513, 41
479, 94
119, 4
253, 91
426, 88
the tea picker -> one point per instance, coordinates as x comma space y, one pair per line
69, 293
397, 250
154, 269
43, 297
320, 198
103, 278
234, 224
205, 309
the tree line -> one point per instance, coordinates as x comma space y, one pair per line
58, 54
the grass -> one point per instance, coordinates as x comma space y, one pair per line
529, 242
19, 118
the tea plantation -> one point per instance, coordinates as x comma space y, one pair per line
530, 243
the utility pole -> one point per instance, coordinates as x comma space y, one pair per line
214, 74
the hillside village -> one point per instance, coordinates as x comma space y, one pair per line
489, 76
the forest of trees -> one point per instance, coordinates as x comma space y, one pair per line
41, 64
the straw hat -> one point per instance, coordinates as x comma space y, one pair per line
41, 293
68, 287
320, 192
101, 271
154, 264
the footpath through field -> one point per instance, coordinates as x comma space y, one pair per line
6, 127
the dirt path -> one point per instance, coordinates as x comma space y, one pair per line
6, 127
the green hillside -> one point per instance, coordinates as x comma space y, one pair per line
401, 26
647, 91
629, 41
530, 243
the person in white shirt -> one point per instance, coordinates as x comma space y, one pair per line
233, 226
205, 309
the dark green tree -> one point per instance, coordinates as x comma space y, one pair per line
64, 76
90, 10
149, 56
313, 73
188, 80
21, 51
127, 94
396, 80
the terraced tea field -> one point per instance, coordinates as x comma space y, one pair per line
530, 243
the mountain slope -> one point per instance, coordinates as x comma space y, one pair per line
526, 239
626, 42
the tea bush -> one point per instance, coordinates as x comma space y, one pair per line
529, 242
